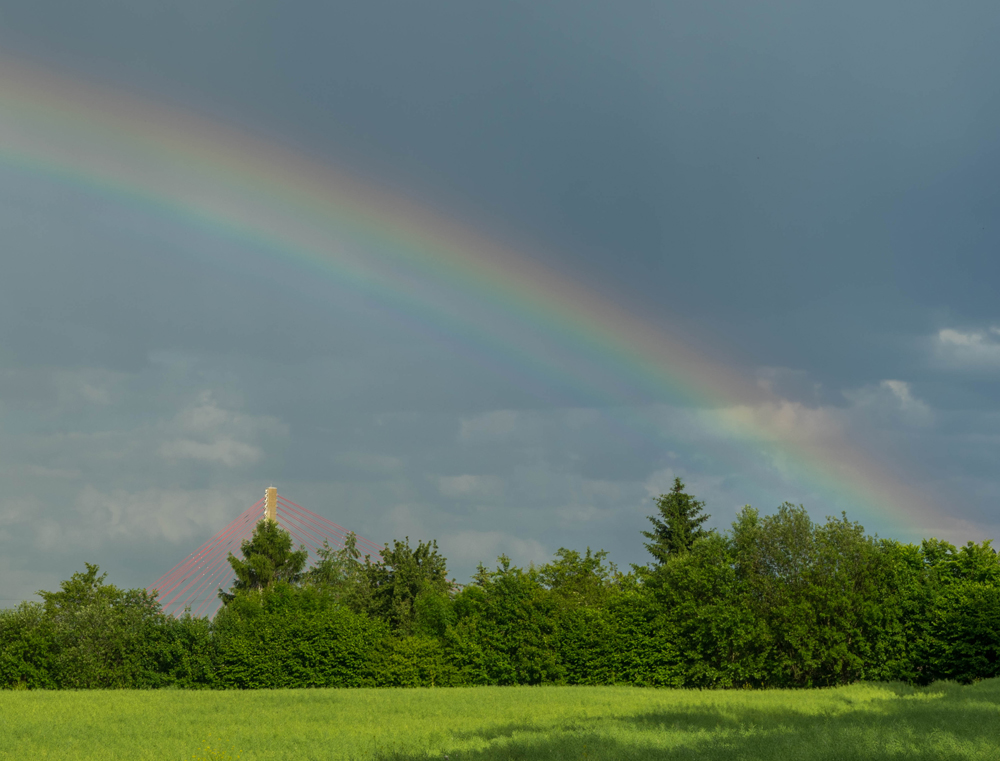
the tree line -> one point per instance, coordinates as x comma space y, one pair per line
776, 601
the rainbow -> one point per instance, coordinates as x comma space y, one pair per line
306, 214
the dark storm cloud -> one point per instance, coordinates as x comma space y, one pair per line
806, 189
824, 155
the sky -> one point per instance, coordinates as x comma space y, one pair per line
491, 274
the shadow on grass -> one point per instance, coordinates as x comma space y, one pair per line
940, 723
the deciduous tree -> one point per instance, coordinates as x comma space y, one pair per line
407, 581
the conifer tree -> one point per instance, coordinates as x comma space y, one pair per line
678, 524
267, 557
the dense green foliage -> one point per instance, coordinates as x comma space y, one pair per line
678, 525
778, 601
268, 557
861, 722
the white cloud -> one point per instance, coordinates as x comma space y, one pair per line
369, 462
491, 426
90, 386
131, 494
405, 519
720, 501
956, 338
224, 451
781, 420
913, 408
218, 435
967, 349
61, 390
40, 471
661, 481
593, 499
21, 583
18, 510
470, 487
466, 547
576, 514
891, 401
168, 514
788, 383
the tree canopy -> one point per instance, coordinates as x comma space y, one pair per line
778, 600
678, 524
405, 580
267, 557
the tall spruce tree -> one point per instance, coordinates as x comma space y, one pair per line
677, 525
267, 557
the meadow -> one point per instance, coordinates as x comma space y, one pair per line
861, 721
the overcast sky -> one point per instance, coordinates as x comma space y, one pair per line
805, 191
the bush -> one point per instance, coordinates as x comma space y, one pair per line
296, 637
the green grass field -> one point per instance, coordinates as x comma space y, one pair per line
945, 721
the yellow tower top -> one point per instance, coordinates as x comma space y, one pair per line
271, 503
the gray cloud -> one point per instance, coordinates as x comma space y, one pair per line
967, 350
807, 192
